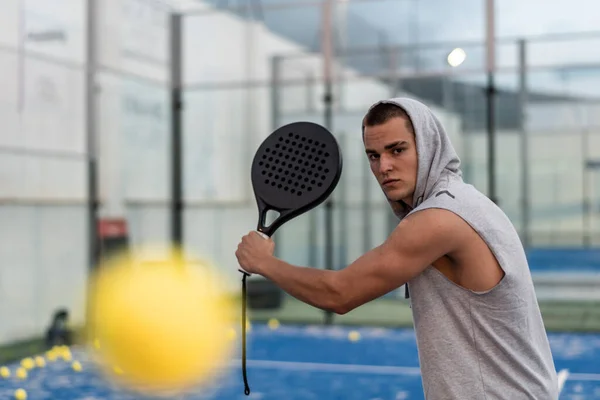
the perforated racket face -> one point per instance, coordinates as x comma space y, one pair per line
296, 168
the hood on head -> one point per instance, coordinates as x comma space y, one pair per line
436, 155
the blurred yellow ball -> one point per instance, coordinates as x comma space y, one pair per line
21, 373
161, 323
231, 334
76, 366
67, 356
354, 336
273, 323
4, 372
51, 355
40, 362
28, 363
20, 394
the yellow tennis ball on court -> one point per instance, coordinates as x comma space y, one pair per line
21, 373
4, 372
20, 394
51, 355
162, 323
354, 336
40, 362
28, 363
273, 323
76, 366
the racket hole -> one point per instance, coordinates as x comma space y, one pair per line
283, 179
303, 170
316, 143
276, 176
274, 168
316, 159
280, 154
261, 163
326, 154
264, 156
305, 179
323, 145
309, 173
296, 168
277, 145
320, 168
323, 177
270, 158
266, 181
310, 141
313, 149
303, 155
313, 181
290, 182
279, 186
296, 184
326, 170
316, 176
287, 141
287, 172
297, 137
272, 183
281, 139
299, 177
293, 159
267, 166
322, 161
267, 150
312, 166
310, 189
306, 147
309, 157
277, 161
319, 184
287, 157
319, 152
299, 193
270, 174
296, 152
302, 186
303, 139
291, 134
286, 188
293, 191
293, 143
293, 175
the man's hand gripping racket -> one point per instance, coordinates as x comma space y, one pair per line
294, 170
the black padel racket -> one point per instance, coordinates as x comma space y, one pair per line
294, 170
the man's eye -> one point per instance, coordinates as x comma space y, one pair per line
373, 156
398, 150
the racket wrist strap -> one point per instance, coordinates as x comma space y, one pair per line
246, 386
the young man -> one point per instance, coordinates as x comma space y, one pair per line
479, 330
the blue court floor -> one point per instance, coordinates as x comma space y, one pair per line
313, 362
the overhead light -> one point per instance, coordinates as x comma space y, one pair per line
456, 57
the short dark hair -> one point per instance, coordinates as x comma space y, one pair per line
383, 112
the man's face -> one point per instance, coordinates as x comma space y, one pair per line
392, 154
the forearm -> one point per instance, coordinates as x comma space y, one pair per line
309, 285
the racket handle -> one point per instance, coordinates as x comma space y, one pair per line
265, 237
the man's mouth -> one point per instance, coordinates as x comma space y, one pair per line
389, 182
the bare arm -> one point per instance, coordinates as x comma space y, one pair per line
416, 243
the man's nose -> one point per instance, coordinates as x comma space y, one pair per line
385, 164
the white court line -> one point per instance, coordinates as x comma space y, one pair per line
562, 378
380, 369
351, 368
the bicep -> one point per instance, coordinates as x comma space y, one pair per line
416, 243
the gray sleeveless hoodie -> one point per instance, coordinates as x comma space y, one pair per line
473, 345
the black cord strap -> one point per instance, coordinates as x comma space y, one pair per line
246, 386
